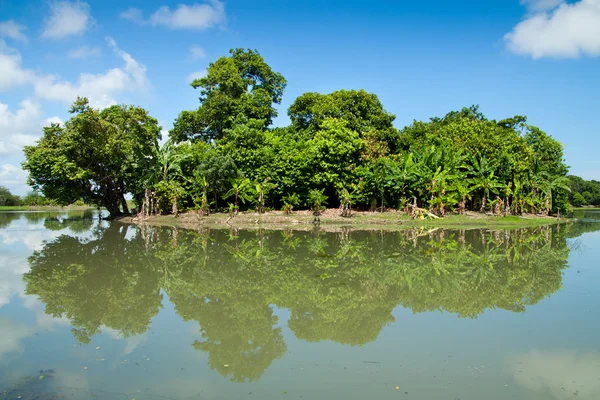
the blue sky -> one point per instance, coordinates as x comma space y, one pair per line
422, 58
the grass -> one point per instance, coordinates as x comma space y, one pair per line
332, 219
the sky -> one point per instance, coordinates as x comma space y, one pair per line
539, 58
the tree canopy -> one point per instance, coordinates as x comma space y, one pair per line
241, 85
97, 155
342, 145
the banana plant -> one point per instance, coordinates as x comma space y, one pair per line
240, 189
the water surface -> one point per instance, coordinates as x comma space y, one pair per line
92, 309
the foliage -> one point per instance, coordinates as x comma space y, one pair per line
584, 192
97, 155
240, 189
242, 84
317, 200
342, 145
219, 171
289, 202
7, 198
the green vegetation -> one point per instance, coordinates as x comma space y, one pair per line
584, 193
341, 149
339, 286
32, 200
7, 199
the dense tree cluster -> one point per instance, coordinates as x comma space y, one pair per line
7, 198
340, 148
584, 192
32, 198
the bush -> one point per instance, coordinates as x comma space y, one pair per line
579, 200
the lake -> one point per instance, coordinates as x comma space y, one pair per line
94, 309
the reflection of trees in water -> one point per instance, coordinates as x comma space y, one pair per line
7, 217
78, 221
109, 281
341, 287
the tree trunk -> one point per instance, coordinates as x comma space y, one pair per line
113, 208
124, 205
175, 211
146, 206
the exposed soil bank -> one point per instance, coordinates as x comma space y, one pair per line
389, 220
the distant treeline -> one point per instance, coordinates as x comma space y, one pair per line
340, 150
32, 198
584, 192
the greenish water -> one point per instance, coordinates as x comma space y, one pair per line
92, 309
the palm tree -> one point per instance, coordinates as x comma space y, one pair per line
164, 168
483, 178
554, 184
539, 182
463, 189
240, 189
200, 182
402, 177
518, 195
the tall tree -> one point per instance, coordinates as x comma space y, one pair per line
97, 155
242, 84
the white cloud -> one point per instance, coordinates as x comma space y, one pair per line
566, 30
11, 72
541, 5
196, 75
10, 29
133, 14
85, 52
53, 120
197, 52
14, 178
194, 16
66, 19
18, 129
98, 88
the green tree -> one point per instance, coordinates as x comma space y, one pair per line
555, 186
165, 175
7, 198
483, 178
317, 200
218, 170
333, 152
97, 156
289, 202
240, 190
579, 200
242, 84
